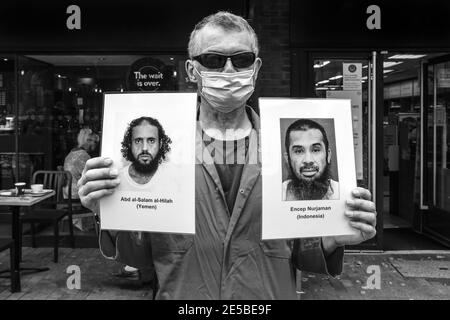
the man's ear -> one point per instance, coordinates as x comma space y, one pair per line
329, 156
189, 65
258, 64
286, 157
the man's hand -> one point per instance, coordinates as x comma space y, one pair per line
363, 217
98, 180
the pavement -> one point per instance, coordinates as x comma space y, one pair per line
391, 275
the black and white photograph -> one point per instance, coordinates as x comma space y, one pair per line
232, 150
310, 170
306, 187
146, 149
153, 154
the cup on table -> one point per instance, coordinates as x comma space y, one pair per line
36, 188
20, 186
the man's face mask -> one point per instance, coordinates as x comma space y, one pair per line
226, 92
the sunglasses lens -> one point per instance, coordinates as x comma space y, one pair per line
213, 61
243, 60
217, 61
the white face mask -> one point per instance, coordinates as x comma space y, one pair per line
226, 92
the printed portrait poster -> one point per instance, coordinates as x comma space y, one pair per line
151, 139
308, 167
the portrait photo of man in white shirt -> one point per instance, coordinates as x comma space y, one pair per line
309, 157
146, 146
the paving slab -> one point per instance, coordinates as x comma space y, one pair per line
408, 275
423, 268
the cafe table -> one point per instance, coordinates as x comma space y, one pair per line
15, 203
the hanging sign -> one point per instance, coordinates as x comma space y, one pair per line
150, 75
352, 74
443, 76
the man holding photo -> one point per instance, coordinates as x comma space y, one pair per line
226, 258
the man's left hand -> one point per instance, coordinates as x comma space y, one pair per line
363, 217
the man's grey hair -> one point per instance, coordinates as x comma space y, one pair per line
228, 22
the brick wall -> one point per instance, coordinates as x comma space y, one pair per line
271, 23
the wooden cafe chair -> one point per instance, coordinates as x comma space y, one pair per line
54, 209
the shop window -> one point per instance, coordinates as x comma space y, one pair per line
61, 94
329, 83
7, 120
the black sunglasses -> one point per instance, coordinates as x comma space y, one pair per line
217, 61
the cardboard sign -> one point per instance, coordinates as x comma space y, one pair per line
308, 167
151, 139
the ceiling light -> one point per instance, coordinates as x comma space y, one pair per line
388, 64
336, 77
321, 64
387, 70
323, 81
407, 56
86, 80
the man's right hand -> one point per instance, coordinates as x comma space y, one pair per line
98, 180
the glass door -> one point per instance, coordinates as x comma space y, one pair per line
35, 143
354, 76
7, 120
436, 154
